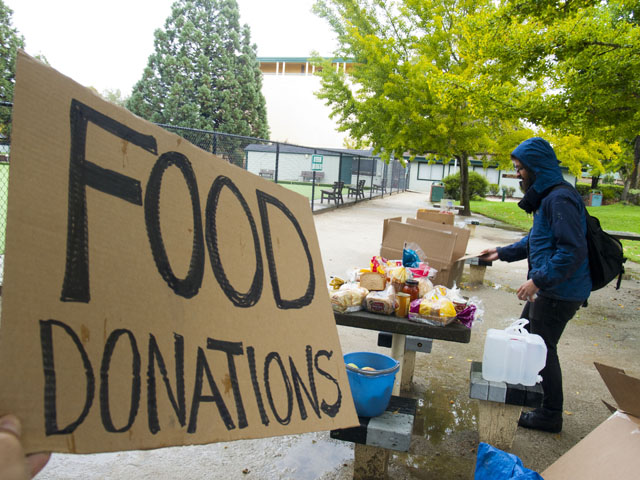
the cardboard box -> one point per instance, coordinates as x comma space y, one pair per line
435, 216
443, 245
611, 450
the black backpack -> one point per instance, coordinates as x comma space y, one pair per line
606, 257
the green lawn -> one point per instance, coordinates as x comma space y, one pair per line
618, 217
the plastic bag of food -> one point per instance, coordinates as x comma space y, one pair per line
336, 283
456, 297
473, 312
348, 298
378, 264
423, 270
397, 276
383, 302
424, 286
437, 310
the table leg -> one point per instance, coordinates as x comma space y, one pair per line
370, 462
407, 371
398, 352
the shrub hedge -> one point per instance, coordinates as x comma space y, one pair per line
478, 185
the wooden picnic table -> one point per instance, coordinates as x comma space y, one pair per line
400, 328
624, 235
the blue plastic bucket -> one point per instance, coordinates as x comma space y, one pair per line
371, 390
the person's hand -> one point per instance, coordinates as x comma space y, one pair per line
13, 463
489, 254
527, 291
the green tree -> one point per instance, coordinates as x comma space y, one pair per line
414, 88
114, 96
586, 54
10, 42
204, 72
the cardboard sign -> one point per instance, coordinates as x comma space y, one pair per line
154, 294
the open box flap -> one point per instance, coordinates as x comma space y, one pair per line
624, 389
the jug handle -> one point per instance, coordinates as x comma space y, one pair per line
518, 327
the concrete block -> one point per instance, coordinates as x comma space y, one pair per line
391, 431
479, 386
497, 392
516, 394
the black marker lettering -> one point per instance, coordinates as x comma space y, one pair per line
263, 199
50, 408
297, 382
189, 286
275, 356
256, 386
202, 367
231, 349
82, 174
331, 410
105, 412
177, 400
238, 299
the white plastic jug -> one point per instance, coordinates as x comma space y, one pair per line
513, 355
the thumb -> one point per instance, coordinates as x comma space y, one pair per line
10, 424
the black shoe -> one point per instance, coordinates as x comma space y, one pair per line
542, 419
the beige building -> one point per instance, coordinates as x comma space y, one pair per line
294, 113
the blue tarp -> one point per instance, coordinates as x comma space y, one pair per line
494, 464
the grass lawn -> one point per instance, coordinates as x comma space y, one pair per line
618, 217
306, 189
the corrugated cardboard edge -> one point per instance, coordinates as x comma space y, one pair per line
624, 389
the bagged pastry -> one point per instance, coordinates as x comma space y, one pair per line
434, 309
383, 302
348, 298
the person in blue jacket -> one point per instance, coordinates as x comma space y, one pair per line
558, 281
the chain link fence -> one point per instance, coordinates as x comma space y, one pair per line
328, 177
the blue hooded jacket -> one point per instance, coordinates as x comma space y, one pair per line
556, 245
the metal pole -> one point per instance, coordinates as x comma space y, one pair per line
373, 171
275, 175
358, 178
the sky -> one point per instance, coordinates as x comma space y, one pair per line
106, 45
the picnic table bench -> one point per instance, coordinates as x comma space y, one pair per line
267, 173
307, 176
500, 405
624, 235
334, 194
375, 437
382, 188
356, 190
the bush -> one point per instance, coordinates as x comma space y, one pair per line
494, 189
610, 193
509, 191
478, 185
583, 189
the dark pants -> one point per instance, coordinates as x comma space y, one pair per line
547, 318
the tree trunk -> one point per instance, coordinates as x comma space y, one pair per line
464, 184
594, 181
636, 160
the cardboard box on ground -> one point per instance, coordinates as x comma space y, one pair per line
443, 245
612, 450
435, 216
141, 306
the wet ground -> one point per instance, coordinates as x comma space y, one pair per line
445, 437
